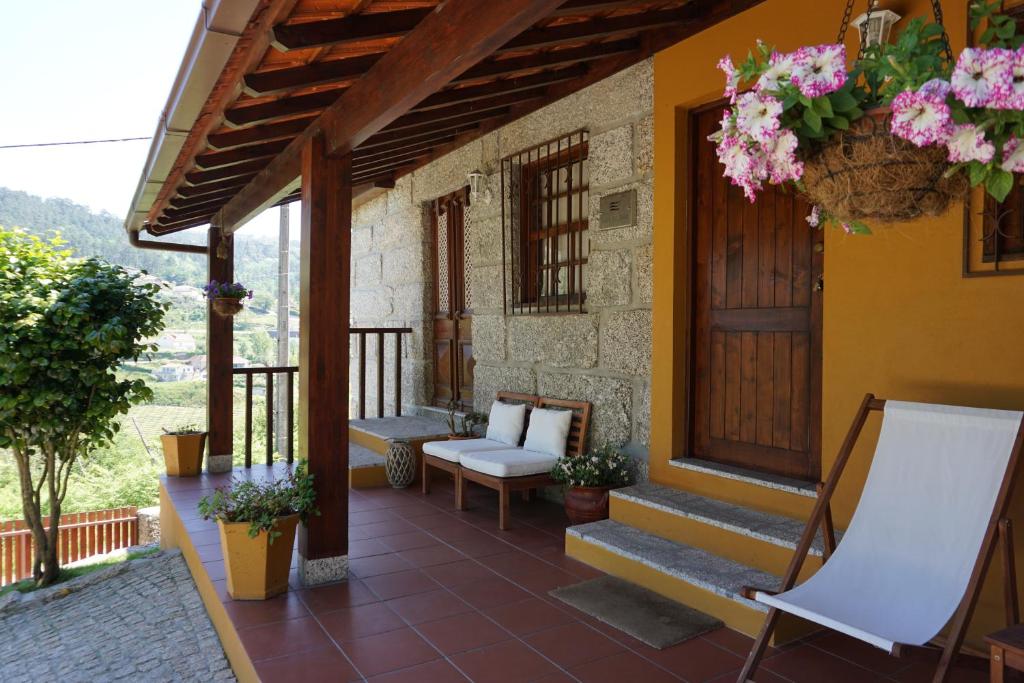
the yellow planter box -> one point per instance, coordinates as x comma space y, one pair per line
183, 453
256, 568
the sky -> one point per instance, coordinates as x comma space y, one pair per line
90, 69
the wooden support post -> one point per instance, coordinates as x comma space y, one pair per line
324, 357
219, 352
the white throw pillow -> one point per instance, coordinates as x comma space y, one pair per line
548, 431
505, 423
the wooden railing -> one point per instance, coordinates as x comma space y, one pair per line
290, 371
81, 535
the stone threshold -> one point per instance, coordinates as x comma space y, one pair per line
747, 476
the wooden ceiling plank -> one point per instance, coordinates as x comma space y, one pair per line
549, 58
259, 133
403, 131
204, 189
457, 110
403, 145
596, 28
348, 29
233, 156
450, 40
285, 106
181, 202
499, 87
254, 166
310, 74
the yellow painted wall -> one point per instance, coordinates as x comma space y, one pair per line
899, 320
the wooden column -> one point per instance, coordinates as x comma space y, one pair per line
324, 357
219, 352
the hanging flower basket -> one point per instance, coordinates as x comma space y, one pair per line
226, 306
227, 297
900, 135
868, 174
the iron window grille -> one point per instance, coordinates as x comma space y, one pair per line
544, 218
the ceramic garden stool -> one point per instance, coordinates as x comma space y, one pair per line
1007, 650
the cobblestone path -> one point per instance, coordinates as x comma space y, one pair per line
145, 623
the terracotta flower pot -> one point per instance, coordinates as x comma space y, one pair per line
226, 306
183, 453
256, 568
586, 503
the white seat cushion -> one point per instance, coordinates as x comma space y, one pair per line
511, 462
505, 423
548, 431
451, 450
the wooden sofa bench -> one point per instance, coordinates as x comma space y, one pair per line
473, 457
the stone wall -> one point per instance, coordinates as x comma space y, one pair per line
602, 355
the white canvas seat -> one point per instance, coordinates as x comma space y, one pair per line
452, 450
905, 563
510, 462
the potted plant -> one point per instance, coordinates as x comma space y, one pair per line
588, 479
464, 428
183, 450
227, 296
900, 135
257, 523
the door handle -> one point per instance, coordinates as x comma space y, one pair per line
819, 286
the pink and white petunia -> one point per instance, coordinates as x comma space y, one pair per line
782, 161
814, 217
1015, 100
819, 70
919, 118
936, 89
984, 77
780, 70
1013, 155
732, 78
757, 115
967, 143
744, 165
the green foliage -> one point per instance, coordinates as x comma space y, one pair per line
915, 58
261, 504
1000, 30
28, 585
467, 425
188, 394
602, 466
184, 430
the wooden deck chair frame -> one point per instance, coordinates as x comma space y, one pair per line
998, 530
575, 445
429, 462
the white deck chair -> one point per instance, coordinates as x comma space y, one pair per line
922, 535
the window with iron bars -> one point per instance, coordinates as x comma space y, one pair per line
545, 207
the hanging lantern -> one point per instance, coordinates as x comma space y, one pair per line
478, 190
874, 25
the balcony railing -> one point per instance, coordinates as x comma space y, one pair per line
287, 375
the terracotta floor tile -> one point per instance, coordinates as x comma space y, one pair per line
437, 671
490, 592
336, 596
507, 662
414, 511
514, 563
366, 548
528, 616
436, 521
389, 652
323, 665
369, 517
390, 527
409, 540
245, 613
808, 664
462, 632
546, 580
624, 666
352, 623
572, 644
283, 637
965, 670
429, 606
696, 659
431, 555
763, 676
861, 653
735, 642
458, 573
364, 567
388, 586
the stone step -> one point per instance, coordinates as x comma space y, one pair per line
689, 575
374, 433
773, 493
752, 537
365, 467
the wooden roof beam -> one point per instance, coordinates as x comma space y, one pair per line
310, 74
601, 27
349, 29
233, 156
402, 132
448, 41
244, 168
203, 189
259, 133
285, 106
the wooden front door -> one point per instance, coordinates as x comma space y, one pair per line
755, 391
453, 319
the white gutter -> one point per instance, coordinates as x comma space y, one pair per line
217, 30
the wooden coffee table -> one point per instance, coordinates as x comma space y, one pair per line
1007, 651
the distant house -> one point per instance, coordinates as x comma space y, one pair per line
174, 372
239, 362
198, 363
176, 342
187, 292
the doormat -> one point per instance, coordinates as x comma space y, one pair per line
632, 609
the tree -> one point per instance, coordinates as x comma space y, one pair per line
66, 325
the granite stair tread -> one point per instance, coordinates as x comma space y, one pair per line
694, 566
360, 457
776, 529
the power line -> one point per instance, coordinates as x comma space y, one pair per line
73, 142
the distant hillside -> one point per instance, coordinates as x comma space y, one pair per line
103, 235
